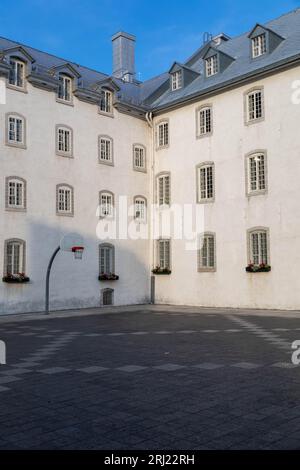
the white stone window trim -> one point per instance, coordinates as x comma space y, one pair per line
106, 138
163, 175
112, 258
201, 267
164, 265
140, 218
111, 209
202, 109
142, 147
109, 110
250, 192
64, 128
23, 88
65, 187
14, 207
165, 123
22, 257
65, 78
15, 143
247, 94
250, 232
199, 198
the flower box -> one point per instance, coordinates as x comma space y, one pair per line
262, 268
16, 278
161, 271
108, 277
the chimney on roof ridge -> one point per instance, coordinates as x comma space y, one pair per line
220, 38
123, 56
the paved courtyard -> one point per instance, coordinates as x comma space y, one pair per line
150, 378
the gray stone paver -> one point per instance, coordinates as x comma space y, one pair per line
153, 380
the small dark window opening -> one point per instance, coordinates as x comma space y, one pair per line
107, 297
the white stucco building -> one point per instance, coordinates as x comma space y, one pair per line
217, 133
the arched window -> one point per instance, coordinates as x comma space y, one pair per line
15, 193
15, 130
107, 297
204, 121
258, 246
106, 102
64, 200
105, 144
163, 181
139, 157
106, 259
162, 134
64, 140
256, 172
106, 204
207, 252
205, 182
254, 105
14, 256
140, 208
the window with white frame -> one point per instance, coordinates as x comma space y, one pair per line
106, 101
140, 208
64, 141
14, 257
204, 120
212, 66
139, 157
106, 259
64, 200
163, 134
106, 204
259, 45
258, 246
163, 189
65, 88
15, 193
205, 182
17, 73
255, 105
176, 80
164, 254
105, 150
207, 252
15, 130
256, 172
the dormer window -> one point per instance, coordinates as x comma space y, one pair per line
176, 80
65, 88
106, 102
17, 73
212, 67
259, 45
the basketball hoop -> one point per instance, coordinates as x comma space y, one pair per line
78, 251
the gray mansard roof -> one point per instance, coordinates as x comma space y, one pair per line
155, 94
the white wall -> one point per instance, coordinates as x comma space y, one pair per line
233, 212
73, 283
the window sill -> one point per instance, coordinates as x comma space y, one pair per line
17, 88
206, 201
162, 147
67, 103
17, 146
207, 270
260, 192
107, 163
254, 121
66, 155
15, 209
103, 113
140, 170
202, 136
64, 214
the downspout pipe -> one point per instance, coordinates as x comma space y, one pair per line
149, 119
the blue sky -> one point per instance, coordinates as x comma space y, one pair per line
81, 30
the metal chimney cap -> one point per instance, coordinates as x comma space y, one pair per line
131, 37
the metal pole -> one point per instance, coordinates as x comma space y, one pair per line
48, 279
